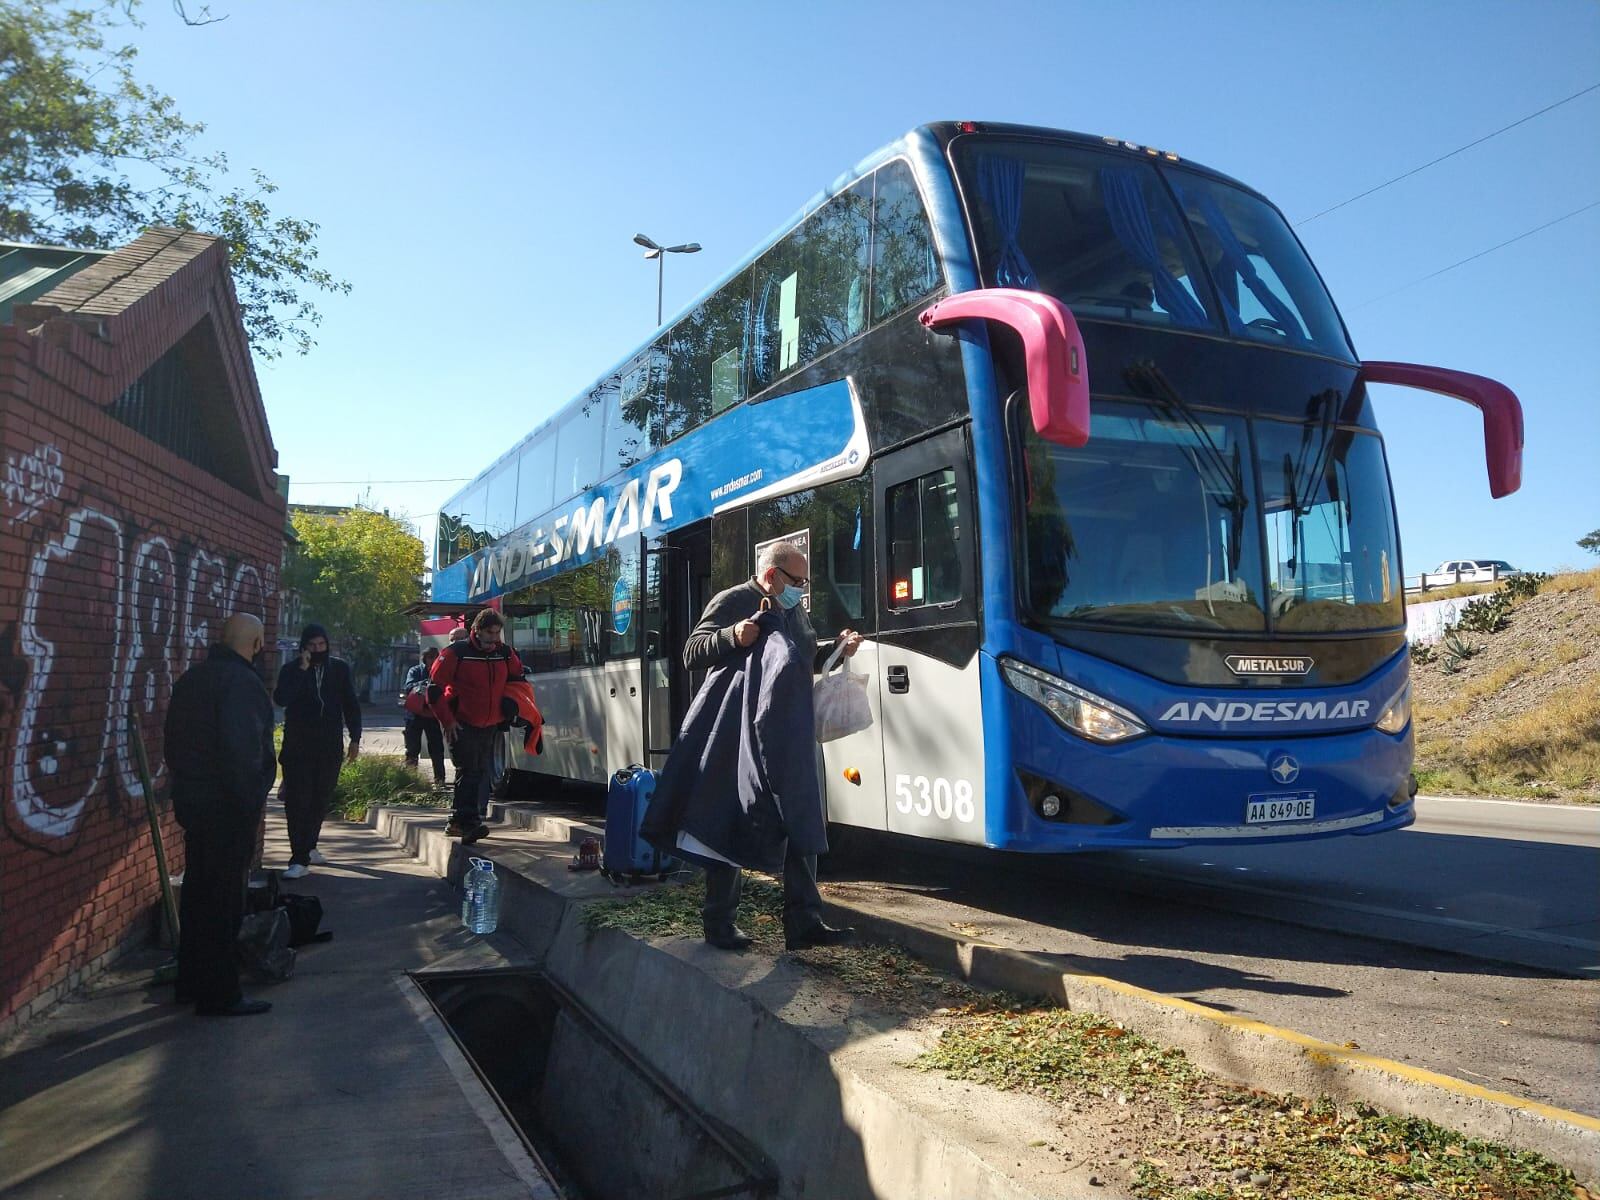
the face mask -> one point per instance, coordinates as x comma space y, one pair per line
791, 595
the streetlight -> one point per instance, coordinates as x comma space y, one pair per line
659, 253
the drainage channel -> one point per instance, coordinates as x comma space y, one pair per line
600, 1121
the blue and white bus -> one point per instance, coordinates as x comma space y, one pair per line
1072, 431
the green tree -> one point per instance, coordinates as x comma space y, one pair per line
354, 572
90, 156
1591, 541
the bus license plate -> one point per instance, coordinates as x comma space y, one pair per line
1266, 808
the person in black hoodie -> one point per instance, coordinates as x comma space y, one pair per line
318, 695
218, 747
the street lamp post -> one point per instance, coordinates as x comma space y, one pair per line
659, 253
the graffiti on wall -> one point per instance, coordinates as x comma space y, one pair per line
32, 481
111, 614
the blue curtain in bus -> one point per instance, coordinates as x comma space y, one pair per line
1130, 221
1238, 261
1000, 182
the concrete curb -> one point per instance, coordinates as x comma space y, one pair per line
1254, 1053
1245, 1051
807, 1099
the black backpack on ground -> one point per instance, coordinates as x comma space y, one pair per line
305, 916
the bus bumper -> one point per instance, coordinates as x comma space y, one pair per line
1161, 791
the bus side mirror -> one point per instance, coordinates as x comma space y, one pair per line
1052, 345
1502, 413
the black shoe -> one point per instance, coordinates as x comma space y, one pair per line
239, 1008
731, 938
819, 935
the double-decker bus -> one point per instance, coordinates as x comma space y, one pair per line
1071, 429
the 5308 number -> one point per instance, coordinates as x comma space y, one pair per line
935, 798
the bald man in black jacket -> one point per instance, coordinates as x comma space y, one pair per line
219, 750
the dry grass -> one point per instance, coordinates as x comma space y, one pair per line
1575, 581
1554, 746
1450, 592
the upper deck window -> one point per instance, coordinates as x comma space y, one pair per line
1099, 231
1269, 290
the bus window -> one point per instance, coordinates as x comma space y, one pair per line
626, 441
622, 580
1333, 563
905, 266
1150, 523
1270, 291
730, 549
924, 541
837, 520
705, 372
536, 471
578, 445
461, 526
808, 291
500, 504
641, 398
1097, 231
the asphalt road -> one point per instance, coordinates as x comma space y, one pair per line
1443, 945
1514, 882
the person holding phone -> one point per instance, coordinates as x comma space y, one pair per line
318, 695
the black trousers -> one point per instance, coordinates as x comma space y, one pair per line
416, 729
802, 903
309, 777
472, 753
215, 874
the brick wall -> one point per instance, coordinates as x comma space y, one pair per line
118, 561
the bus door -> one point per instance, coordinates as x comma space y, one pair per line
677, 588
928, 633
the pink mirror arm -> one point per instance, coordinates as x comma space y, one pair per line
1502, 413
1058, 369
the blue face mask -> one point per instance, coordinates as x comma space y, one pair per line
791, 595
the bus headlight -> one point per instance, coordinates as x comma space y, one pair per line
1398, 715
1082, 712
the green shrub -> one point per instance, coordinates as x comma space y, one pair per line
1522, 587
380, 779
1422, 653
1489, 615
1457, 650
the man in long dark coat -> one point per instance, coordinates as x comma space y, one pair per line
218, 745
734, 746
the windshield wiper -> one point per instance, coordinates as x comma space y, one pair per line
1221, 476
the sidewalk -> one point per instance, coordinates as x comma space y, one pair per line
340, 1091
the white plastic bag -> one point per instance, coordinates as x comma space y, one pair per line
840, 699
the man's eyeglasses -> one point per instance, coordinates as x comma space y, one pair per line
794, 579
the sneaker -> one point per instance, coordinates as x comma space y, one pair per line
297, 871
480, 830
316, 859
468, 833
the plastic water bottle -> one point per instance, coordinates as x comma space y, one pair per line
480, 901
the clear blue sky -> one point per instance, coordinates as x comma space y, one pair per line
479, 171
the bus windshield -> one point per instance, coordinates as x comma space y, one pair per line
1121, 238
1155, 522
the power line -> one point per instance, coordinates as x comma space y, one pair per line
1471, 257
1452, 154
293, 482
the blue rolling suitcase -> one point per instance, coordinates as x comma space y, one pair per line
626, 853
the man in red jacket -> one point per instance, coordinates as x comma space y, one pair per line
469, 684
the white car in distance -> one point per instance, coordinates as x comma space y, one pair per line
1472, 570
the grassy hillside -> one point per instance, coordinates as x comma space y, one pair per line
1516, 711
